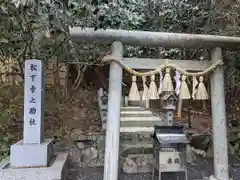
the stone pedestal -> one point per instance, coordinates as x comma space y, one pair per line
31, 155
212, 178
56, 170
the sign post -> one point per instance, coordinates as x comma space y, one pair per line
33, 150
33, 102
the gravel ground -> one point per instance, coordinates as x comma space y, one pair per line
204, 168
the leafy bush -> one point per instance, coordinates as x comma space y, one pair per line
11, 105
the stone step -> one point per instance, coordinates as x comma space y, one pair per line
140, 144
143, 113
142, 130
135, 150
128, 147
150, 156
132, 108
138, 119
141, 123
136, 127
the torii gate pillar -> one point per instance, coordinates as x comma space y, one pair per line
219, 124
113, 116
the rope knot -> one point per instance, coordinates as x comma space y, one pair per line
220, 62
108, 58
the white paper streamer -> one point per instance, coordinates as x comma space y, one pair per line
160, 89
178, 82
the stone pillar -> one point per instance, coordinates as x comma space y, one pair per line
33, 150
33, 158
219, 125
113, 116
33, 102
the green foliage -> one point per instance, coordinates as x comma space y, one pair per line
31, 30
11, 115
11, 105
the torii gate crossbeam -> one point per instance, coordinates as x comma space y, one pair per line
146, 38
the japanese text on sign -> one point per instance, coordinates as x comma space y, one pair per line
32, 110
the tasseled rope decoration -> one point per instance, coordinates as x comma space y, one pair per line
145, 89
153, 92
184, 91
201, 93
178, 82
167, 81
109, 58
160, 88
134, 94
194, 87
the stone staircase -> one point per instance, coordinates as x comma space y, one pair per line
134, 120
138, 120
136, 129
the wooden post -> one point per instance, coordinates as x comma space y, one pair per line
179, 108
147, 103
219, 124
113, 121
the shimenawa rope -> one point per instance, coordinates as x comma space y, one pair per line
109, 58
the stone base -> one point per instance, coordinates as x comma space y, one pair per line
89, 149
31, 155
56, 171
212, 177
134, 103
138, 163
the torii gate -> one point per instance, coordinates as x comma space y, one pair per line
172, 40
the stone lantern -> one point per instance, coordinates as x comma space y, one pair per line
169, 104
104, 101
104, 108
169, 153
104, 98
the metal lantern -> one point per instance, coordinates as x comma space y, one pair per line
169, 105
169, 152
169, 101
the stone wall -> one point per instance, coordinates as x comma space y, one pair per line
88, 151
135, 151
